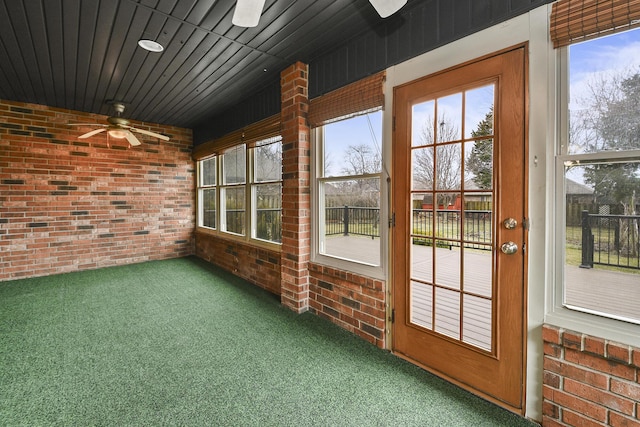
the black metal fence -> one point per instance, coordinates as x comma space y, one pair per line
449, 229
446, 226
610, 240
351, 220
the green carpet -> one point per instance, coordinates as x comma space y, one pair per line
182, 343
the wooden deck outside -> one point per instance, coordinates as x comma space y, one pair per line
603, 291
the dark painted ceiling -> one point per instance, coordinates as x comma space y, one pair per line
79, 54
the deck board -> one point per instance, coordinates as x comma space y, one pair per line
595, 289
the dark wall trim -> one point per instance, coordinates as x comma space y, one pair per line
421, 26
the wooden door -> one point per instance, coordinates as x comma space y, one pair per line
458, 244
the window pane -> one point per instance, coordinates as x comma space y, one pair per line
234, 209
268, 212
268, 161
601, 180
234, 165
208, 207
602, 264
352, 146
208, 171
351, 228
604, 89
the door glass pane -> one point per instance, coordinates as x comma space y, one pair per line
422, 124
478, 161
478, 270
477, 219
447, 312
452, 228
448, 170
449, 118
447, 218
422, 304
478, 112
447, 265
476, 329
422, 167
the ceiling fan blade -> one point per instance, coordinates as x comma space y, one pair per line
247, 13
153, 134
132, 139
387, 7
91, 133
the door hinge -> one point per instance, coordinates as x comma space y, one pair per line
393, 315
392, 220
526, 223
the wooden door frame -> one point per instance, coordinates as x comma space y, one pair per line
401, 225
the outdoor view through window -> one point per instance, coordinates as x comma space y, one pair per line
601, 164
349, 189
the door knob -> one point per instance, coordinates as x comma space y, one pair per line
509, 248
510, 223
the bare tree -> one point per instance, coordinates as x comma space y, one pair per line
437, 166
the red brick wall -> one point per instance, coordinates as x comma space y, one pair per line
589, 381
354, 302
68, 204
257, 265
296, 184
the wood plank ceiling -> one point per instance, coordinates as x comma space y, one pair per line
79, 54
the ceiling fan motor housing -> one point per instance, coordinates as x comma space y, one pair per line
118, 121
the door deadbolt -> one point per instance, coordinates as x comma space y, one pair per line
510, 223
509, 248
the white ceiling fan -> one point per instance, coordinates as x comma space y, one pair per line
247, 12
119, 128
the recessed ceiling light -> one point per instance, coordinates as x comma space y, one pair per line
150, 45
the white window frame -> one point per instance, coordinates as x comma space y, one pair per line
557, 313
221, 187
254, 184
201, 189
318, 214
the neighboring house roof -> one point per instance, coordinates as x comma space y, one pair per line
576, 188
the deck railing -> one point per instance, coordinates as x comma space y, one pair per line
446, 226
610, 240
352, 220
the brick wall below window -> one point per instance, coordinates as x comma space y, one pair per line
68, 204
354, 302
589, 381
257, 265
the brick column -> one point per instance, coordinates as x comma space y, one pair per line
296, 194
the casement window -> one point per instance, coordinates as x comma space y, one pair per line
348, 166
598, 161
240, 184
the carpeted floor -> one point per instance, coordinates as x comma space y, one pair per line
182, 343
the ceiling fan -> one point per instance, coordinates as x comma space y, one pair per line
119, 128
247, 12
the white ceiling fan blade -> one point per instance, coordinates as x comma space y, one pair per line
132, 139
387, 7
153, 134
93, 132
247, 13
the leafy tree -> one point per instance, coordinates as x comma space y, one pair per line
480, 161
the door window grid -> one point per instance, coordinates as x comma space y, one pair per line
452, 216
